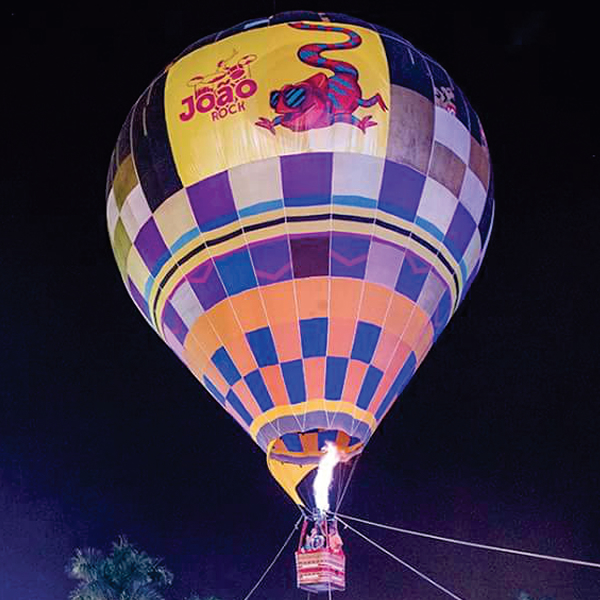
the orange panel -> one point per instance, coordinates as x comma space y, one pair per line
424, 344
310, 443
241, 355
398, 360
241, 390
194, 355
418, 322
314, 375
287, 341
203, 335
341, 336
280, 302
385, 349
354, 379
239, 419
249, 310
313, 297
215, 376
374, 306
343, 439
275, 384
224, 321
345, 297
399, 314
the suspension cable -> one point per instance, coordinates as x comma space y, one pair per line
438, 538
287, 541
402, 562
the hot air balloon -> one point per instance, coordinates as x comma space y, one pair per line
297, 206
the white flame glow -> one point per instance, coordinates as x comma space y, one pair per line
322, 482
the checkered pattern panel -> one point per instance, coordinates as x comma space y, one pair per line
304, 290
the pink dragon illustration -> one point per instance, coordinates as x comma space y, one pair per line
321, 101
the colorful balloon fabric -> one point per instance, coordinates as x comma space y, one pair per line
297, 206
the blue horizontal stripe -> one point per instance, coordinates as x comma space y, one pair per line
184, 239
430, 227
355, 201
261, 207
308, 201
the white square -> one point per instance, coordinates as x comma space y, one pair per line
473, 195
431, 293
135, 212
472, 253
437, 205
384, 264
186, 303
112, 213
450, 132
357, 175
256, 182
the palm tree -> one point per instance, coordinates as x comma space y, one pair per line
126, 574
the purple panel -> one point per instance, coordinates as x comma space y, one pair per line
173, 321
349, 255
138, 299
460, 232
272, 261
150, 245
307, 175
212, 202
310, 256
206, 284
401, 190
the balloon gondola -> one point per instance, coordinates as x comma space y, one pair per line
320, 559
297, 206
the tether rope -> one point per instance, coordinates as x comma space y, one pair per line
287, 541
402, 562
438, 538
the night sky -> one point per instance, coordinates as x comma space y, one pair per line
103, 431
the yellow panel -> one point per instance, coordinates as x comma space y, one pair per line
174, 217
137, 269
214, 130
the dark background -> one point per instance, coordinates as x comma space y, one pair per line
103, 431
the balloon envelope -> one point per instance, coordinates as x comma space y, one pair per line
297, 206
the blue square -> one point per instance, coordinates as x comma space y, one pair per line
236, 272
263, 347
349, 255
239, 408
292, 442
259, 390
365, 341
227, 368
460, 232
335, 375
212, 388
313, 333
293, 376
401, 190
412, 276
369, 386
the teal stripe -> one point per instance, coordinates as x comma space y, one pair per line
355, 201
430, 227
261, 207
184, 239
